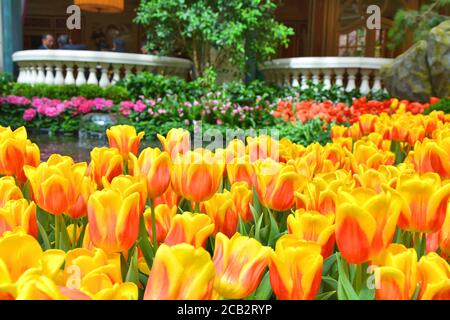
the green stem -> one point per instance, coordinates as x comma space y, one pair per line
359, 277
144, 243
154, 241
57, 232
74, 233
197, 207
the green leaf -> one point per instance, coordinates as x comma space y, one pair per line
144, 243
329, 262
258, 229
274, 230
44, 237
64, 236
264, 290
345, 290
133, 271
333, 283
325, 295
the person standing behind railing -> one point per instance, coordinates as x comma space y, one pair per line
47, 42
65, 43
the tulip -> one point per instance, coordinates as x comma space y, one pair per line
79, 208
242, 197
425, 202
18, 253
163, 220
321, 195
125, 139
106, 163
338, 132
154, 166
398, 274
127, 185
334, 158
197, 174
190, 228
177, 141
222, 210
113, 220
368, 155
169, 198
367, 123
290, 150
444, 235
240, 263
181, 272
276, 184
9, 190
12, 150
431, 156
365, 223
19, 213
295, 270
95, 261
56, 183
376, 179
16, 152
263, 147
37, 287
314, 227
117, 291
434, 278
235, 150
240, 170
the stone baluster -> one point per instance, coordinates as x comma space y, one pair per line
286, 78
81, 78
295, 77
104, 79
351, 83
59, 77
40, 73
327, 73
92, 79
339, 77
116, 73
128, 70
33, 74
315, 76
22, 73
377, 81
365, 86
70, 78
49, 77
305, 77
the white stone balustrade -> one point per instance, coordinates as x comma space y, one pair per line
60, 67
348, 72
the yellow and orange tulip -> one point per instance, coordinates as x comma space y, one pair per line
180, 272
113, 220
125, 139
197, 174
154, 166
295, 269
190, 228
240, 263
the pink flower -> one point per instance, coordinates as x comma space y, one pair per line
139, 106
29, 114
51, 112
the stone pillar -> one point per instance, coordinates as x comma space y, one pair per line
11, 28
1, 39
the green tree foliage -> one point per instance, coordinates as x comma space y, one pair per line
419, 22
213, 32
